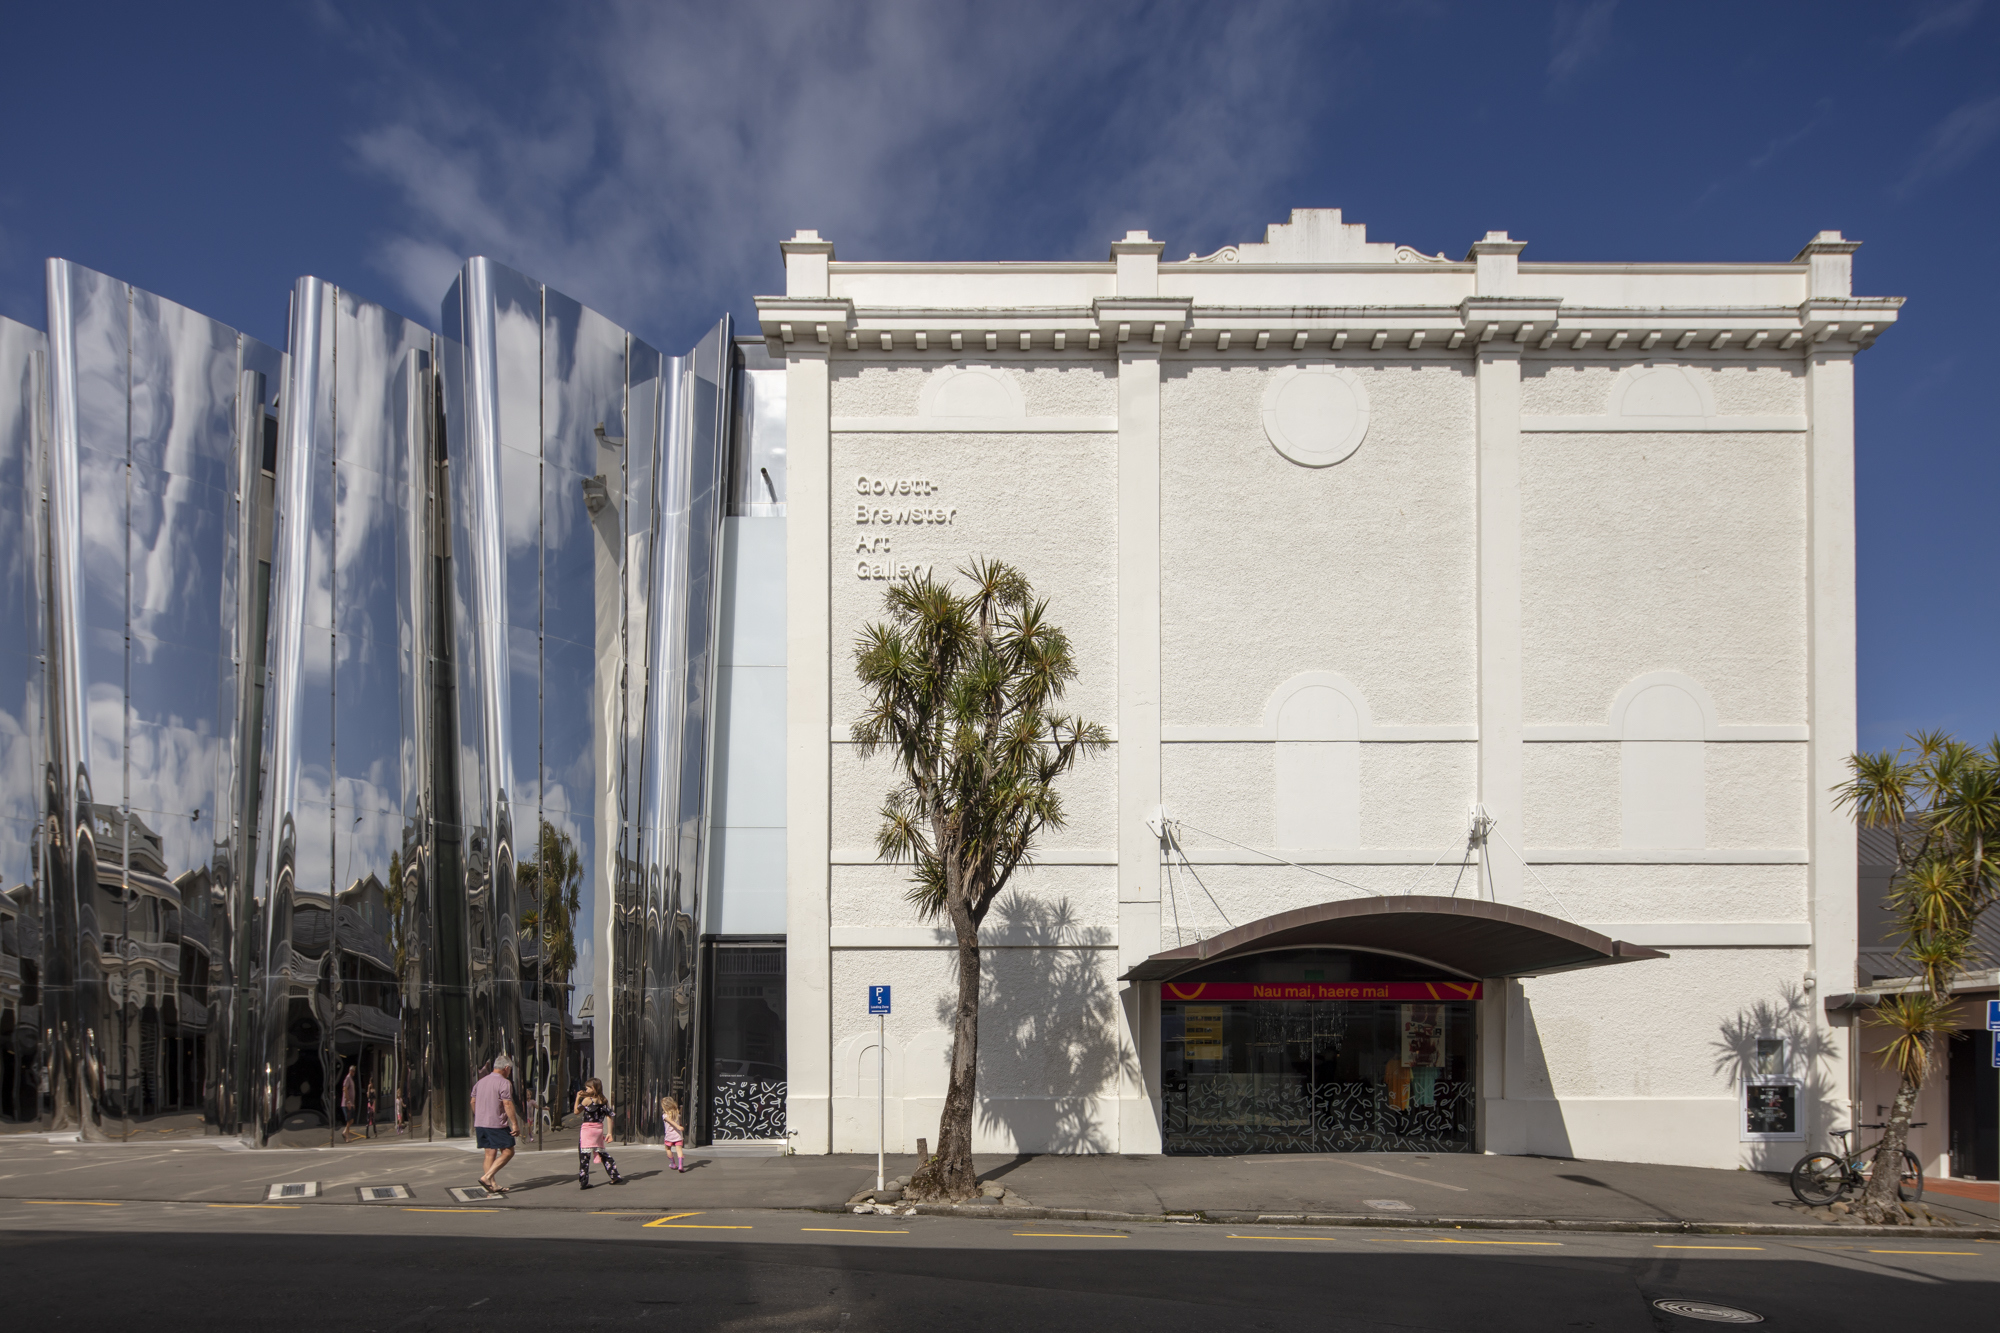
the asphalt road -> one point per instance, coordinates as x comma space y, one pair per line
172, 1266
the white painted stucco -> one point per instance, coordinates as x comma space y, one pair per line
1347, 540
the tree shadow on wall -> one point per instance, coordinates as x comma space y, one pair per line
1744, 1049
1050, 1059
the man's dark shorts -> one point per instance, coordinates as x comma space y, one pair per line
494, 1139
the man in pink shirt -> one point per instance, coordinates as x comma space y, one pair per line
494, 1120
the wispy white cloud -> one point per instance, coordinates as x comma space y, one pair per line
655, 161
1582, 33
1771, 152
1956, 140
1938, 21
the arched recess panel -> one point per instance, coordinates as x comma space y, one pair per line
1318, 768
1663, 789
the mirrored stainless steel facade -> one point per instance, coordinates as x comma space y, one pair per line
358, 730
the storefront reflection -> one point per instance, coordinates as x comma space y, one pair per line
1245, 1071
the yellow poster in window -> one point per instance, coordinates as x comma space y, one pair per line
1202, 1031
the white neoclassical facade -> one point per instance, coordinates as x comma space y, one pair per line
1480, 623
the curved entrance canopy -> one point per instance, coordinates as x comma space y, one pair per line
1470, 937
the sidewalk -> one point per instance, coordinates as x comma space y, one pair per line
1360, 1189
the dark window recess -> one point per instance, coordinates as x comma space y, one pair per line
270, 464
746, 1041
1973, 1087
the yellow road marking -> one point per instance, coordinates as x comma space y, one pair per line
673, 1217
72, 1203
256, 1205
1400, 1240
1708, 1247
695, 1226
859, 1231
1280, 1237
1076, 1235
451, 1210
1970, 1254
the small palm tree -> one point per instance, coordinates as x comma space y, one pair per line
961, 693
1941, 806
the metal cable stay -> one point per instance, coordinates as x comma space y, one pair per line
1475, 855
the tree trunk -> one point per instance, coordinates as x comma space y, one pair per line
1878, 1202
949, 1177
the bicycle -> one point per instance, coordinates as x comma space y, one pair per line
1823, 1177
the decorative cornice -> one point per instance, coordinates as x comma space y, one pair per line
789, 320
1540, 323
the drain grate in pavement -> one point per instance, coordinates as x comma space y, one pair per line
381, 1193
473, 1194
1389, 1205
294, 1189
1708, 1312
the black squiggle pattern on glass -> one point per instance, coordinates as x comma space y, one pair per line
748, 1109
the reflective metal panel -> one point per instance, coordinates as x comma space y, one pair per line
349, 1020
493, 416
150, 406
757, 444
24, 1039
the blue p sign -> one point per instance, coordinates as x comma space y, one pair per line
878, 999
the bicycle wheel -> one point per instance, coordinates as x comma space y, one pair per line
1819, 1178
1911, 1187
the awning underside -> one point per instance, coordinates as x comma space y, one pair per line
1474, 938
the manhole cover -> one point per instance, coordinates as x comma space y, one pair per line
1708, 1311
294, 1189
1389, 1205
382, 1193
472, 1193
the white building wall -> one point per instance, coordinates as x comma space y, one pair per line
1578, 548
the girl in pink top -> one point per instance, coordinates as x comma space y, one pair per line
671, 1130
591, 1134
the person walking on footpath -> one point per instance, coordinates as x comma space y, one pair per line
495, 1121
595, 1112
672, 1130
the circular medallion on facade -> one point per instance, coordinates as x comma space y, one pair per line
1315, 415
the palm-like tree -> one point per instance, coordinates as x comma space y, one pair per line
961, 693
1939, 799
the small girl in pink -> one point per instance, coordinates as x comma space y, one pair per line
671, 1130
591, 1134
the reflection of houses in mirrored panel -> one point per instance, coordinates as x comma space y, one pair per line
24, 1045
157, 427
351, 1045
584, 494
361, 733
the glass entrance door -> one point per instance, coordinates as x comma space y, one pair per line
746, 1042
1318, 1051
1317, 1076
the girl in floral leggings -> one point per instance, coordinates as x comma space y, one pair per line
594, 1111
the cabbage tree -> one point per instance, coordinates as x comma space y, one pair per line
961, 694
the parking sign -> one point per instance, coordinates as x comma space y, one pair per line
878, 999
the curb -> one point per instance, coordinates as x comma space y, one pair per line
1660, 1226
1228, 1217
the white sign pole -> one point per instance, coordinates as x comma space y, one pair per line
881, 1100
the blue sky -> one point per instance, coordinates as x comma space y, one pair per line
647, 157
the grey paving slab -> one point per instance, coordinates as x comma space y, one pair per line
1384, 1187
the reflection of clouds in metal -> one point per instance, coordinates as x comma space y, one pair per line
144, 461
380, 931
